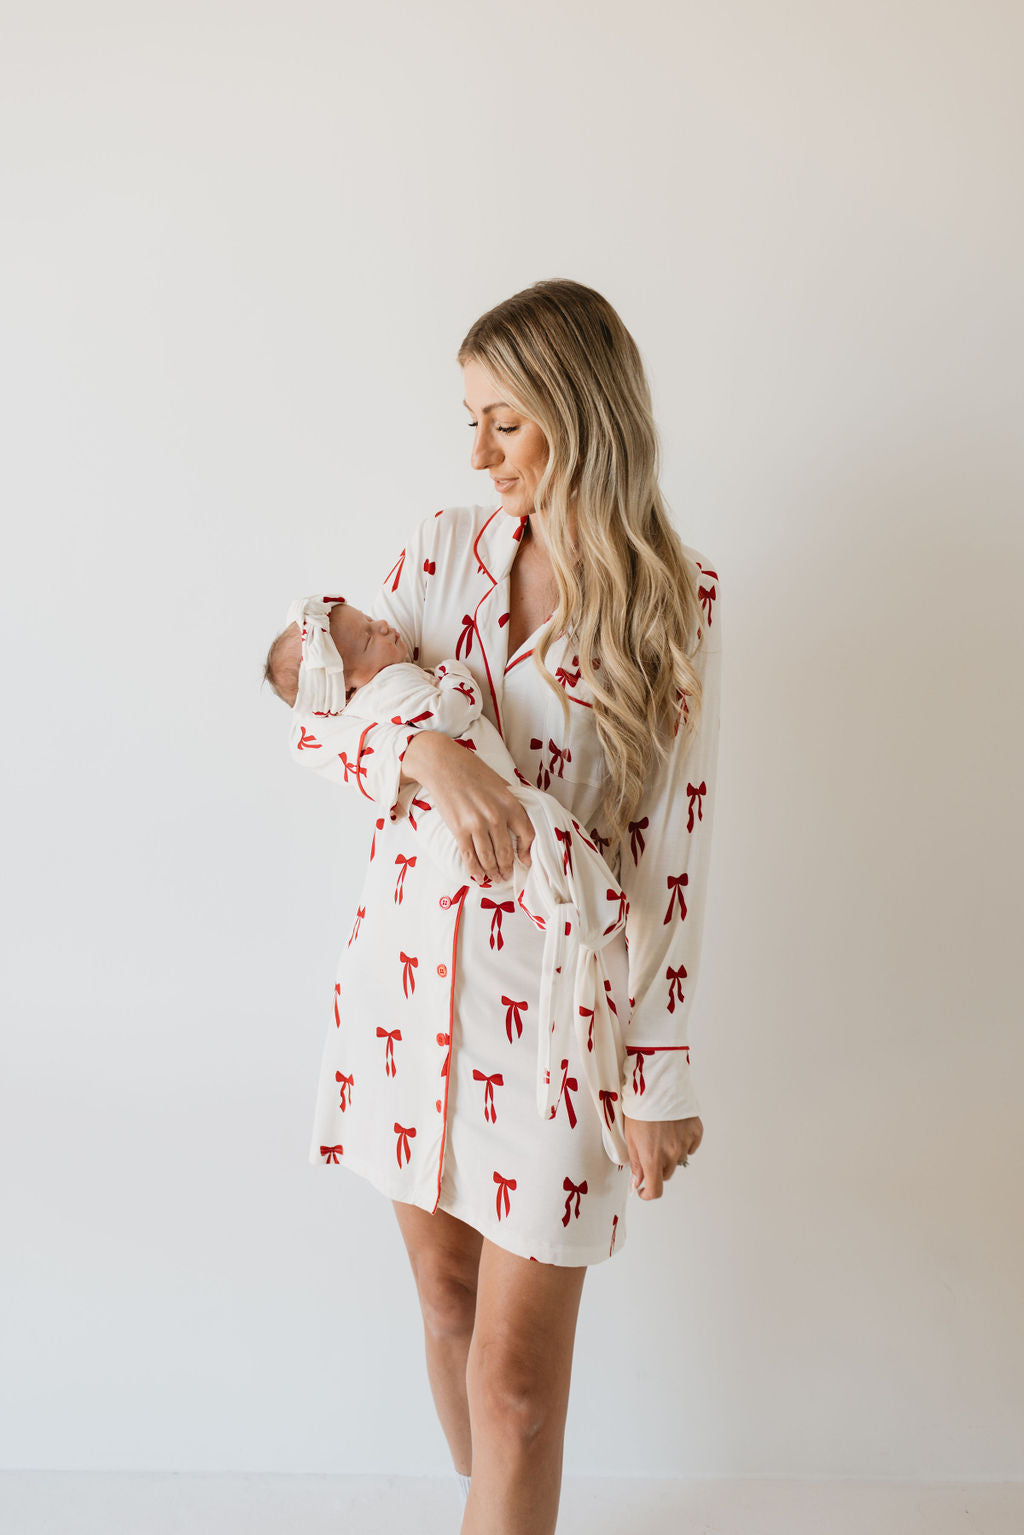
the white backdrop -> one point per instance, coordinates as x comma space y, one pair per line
240, 245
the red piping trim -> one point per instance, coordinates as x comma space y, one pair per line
476, 541
632, 1049
359, 758
451, 1043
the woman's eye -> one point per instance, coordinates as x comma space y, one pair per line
508, 429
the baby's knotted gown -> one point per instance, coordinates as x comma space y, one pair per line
483, 1042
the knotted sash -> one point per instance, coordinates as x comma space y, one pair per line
569, 899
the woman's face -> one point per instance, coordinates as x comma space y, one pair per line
511, 447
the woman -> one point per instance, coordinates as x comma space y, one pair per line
594, 636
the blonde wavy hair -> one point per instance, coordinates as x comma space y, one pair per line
563, 357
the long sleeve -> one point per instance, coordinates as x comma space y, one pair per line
664, 873
368, 754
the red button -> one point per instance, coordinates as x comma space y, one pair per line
445, 902
442, 971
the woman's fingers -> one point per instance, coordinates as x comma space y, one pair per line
486, 855
477, 804
521, 828
655, 1149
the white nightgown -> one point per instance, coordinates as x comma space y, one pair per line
429, 1077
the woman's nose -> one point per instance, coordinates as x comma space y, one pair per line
484, 452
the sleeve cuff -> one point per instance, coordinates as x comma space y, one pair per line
657, 1083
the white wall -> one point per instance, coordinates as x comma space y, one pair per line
240, 245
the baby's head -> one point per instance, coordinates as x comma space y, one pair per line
365, 646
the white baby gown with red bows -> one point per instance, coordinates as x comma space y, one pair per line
484, 1042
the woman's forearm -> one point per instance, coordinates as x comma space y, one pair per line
475, 803
422, 757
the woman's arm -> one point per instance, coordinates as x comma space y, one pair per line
475, 802
664, 873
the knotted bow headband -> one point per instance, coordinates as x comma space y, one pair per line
321, 673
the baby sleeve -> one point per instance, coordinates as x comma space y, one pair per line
348, 749
458, 704
664, 874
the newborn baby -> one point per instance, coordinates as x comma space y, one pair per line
333, 661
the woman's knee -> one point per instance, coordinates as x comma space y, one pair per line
511, 1391
445, 1256
447, 1300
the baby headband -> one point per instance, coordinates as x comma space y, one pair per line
321, 673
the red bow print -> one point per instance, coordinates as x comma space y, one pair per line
573, 1190
707, 594
404, 865
608, 1098
306, 740
351, 767
494, 1080
396, 571
337, 994
409, 964
331, 1153
466, 637
497, 908
696, 798
566, 838
615, 1222
599, 842
639, 1085
504, 1184
636, 837
675, 884
360, 914
467, 692
514, 1014
568, 1084
429, 567
675, 986
346, 1083
403, 1141
588, 1012
560, 755
566, 678
611, 1002
420, 804
543, 775
379, 825
390, 1069
619, 896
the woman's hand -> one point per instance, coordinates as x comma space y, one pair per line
656, 1148
474, 801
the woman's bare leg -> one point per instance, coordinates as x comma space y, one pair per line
445, 1255
520, 1363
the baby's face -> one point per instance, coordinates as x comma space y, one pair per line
366, 645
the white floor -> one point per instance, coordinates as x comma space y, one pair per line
98, 1503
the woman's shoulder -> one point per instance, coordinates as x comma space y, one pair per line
702, 566
455, 523
704, 575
